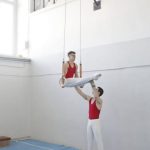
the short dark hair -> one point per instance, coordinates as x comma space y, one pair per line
100, 90
71, 52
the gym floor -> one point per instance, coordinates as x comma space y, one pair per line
35, 145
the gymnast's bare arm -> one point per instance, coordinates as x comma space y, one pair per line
65, 69
76, 73
96, 95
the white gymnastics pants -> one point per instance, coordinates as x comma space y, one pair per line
94, 133
72, 82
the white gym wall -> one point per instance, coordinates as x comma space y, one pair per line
15, 114
116, 36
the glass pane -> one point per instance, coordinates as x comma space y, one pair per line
6, 28
38, 4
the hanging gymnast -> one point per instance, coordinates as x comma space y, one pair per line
95, 106
69, 68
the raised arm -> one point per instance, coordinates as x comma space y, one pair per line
81, 93
64, 69
97, 98
93, 86
76, 73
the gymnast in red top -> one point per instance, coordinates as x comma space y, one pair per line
95, 106
70, 68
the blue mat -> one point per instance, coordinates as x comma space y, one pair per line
35, 145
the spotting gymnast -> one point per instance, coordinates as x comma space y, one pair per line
95, 106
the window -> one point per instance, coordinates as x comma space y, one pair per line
8, 27
39, 4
